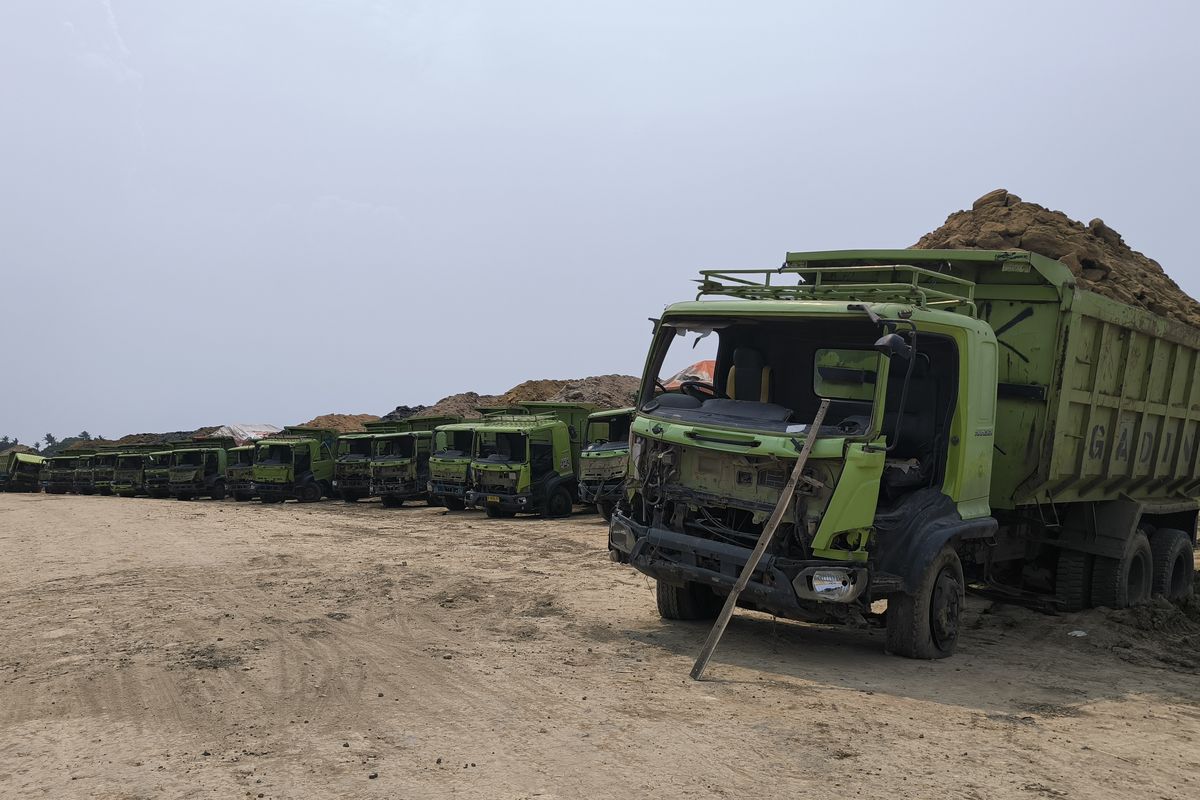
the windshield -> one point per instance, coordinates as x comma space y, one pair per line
397, 447
192, 458
64, 463
274, 454
243, 458
500, 446
608, 433
129, 462
453, 444
354, 447
106, 461
766, 374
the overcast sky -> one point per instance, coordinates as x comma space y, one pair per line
238, 211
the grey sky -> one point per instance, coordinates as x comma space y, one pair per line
227, 210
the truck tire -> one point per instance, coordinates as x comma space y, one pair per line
241, 497
605, 509
350, 496
218, 490
496, 512
687, 602
309, 492
1124, 581
558, 504
454, 503
926, 624
391, 501
1073, 582
1174, 563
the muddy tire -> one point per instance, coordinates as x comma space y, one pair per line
496, 512
1174, 562
389, 501
309, 492
1124, 581
218, 490
558, 505
687, 602
350, 496
1073, 582
241, 497
605, 508
454, 503
926, 624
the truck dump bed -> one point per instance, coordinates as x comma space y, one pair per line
1097, 400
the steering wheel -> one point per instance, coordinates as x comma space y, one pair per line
699, 390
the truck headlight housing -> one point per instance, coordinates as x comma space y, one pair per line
834, 584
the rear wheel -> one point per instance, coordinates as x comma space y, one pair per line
1174, 563
1073, 583
309, 492
1124, 581
558, 504
687, 602
496, 512
926, 624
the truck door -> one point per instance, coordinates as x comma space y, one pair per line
303, 460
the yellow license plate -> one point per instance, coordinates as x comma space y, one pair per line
493, 498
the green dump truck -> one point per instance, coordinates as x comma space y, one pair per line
988, 422
239, 473
156, 470
297, 463
21, 472
529, 463
604, 459
59, 472
352, 464
129, 472
198, 468
450, 462
103, 464
85, 472
400, 460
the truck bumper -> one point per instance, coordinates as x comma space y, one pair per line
275, 491
444, 489
521, 502
782, 586
596, 491
401, 489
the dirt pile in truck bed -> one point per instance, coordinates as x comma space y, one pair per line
403, 412
1095, 253
341, 423
163, 438
605, 391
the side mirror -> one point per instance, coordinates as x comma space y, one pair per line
893, 344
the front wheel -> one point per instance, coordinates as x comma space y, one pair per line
606, 507
309, 492
687, 602
454, 503
391, 501
926, 624
496, 512
218, 490
558, 504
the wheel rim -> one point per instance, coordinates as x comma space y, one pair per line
944, 609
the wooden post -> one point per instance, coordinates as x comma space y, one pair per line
764, 540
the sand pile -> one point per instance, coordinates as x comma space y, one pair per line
1095, 253
605, 391
163, 438
341, 423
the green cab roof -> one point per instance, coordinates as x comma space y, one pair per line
616, 412
519, 423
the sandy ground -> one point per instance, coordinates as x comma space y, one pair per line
168, 649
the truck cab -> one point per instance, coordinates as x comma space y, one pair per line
449, 463
605, 457
239, 473
103, 464
60, 473
129, 478
528, 463
156, 472
297, 463
85, 473
22, 472
199, 470
400, 466
352, 468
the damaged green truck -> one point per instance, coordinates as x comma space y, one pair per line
989, 421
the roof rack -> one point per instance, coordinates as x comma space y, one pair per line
892, 283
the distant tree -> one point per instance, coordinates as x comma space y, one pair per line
5, 441
87, 437
50, 439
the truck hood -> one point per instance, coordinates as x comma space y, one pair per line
272, 473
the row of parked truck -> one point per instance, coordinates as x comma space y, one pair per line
536, 458
878, 425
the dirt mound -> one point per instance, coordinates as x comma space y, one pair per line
91, 444
403, 412
16, 448
1095, 253
163, 438
1159, 632
606, 391
341, 423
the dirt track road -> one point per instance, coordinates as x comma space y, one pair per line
168, 649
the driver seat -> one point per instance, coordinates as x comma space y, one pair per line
750, 377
